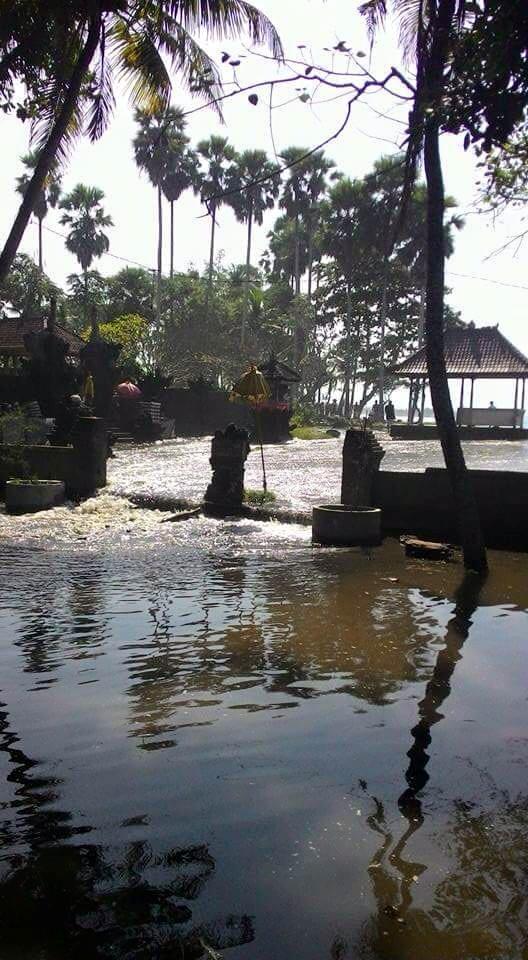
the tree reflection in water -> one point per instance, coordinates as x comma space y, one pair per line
61, 898
480, 908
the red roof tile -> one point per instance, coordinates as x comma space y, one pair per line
13, 330
471, 352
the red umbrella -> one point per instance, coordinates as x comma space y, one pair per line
128, 391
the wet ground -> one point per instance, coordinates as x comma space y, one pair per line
218, 740
301, 472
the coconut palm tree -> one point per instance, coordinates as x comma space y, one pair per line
429, 30
140, 42
217, 158
255, 180
302, 191
87, 221
47, 197
159, 140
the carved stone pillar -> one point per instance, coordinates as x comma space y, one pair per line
362, 455
229, 450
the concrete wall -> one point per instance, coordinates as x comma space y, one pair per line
422, 503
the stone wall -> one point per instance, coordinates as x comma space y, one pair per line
422, 503
82, 466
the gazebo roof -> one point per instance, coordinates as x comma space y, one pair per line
273, 369
14, 329
471, 352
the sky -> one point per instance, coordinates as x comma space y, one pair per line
489, 287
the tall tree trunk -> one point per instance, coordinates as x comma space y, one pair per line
49, 151
310, 261
383, 324
160, 255
245, 308
211, 250
86, 319
433, 86
348, 346
171, 257
465, 503
39, 220
172, 239
297, 257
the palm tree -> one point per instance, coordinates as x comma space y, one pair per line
47, 197
139, 42
429, 31
294, 201
256, 182
180, 175
87, 221
158, 142
343, 241
302, 192
317, 167
218, 159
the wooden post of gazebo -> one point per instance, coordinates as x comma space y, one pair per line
422, 405
515, 401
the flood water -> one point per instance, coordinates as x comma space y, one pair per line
301, 473
219, 741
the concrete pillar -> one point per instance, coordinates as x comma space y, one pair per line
362, 455
90, 451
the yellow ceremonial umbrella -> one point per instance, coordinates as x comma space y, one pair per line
254, 388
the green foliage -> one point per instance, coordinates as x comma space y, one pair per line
26, 289
131, 332
259, 497
305, 415
309, 433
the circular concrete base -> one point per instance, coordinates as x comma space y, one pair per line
343, 526
26, 496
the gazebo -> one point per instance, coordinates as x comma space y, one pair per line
276, 411
472, 353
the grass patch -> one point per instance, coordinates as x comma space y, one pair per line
309, 433
259, 497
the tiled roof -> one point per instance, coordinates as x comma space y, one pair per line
273, 369
471, 352
13, 330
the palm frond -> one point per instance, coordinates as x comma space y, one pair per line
374, 12
137, 61
412, 15
103, 101
226, 19
196, 68
50, 105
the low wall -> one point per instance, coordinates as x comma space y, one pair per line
82, 466
422, 503
198, 412
428, 431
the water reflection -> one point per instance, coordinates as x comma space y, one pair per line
204, 735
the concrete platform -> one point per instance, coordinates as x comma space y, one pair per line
417, 431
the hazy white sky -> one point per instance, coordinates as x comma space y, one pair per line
130, 199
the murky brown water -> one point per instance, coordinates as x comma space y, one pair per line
214, 737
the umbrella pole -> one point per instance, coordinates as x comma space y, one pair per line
259, 437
